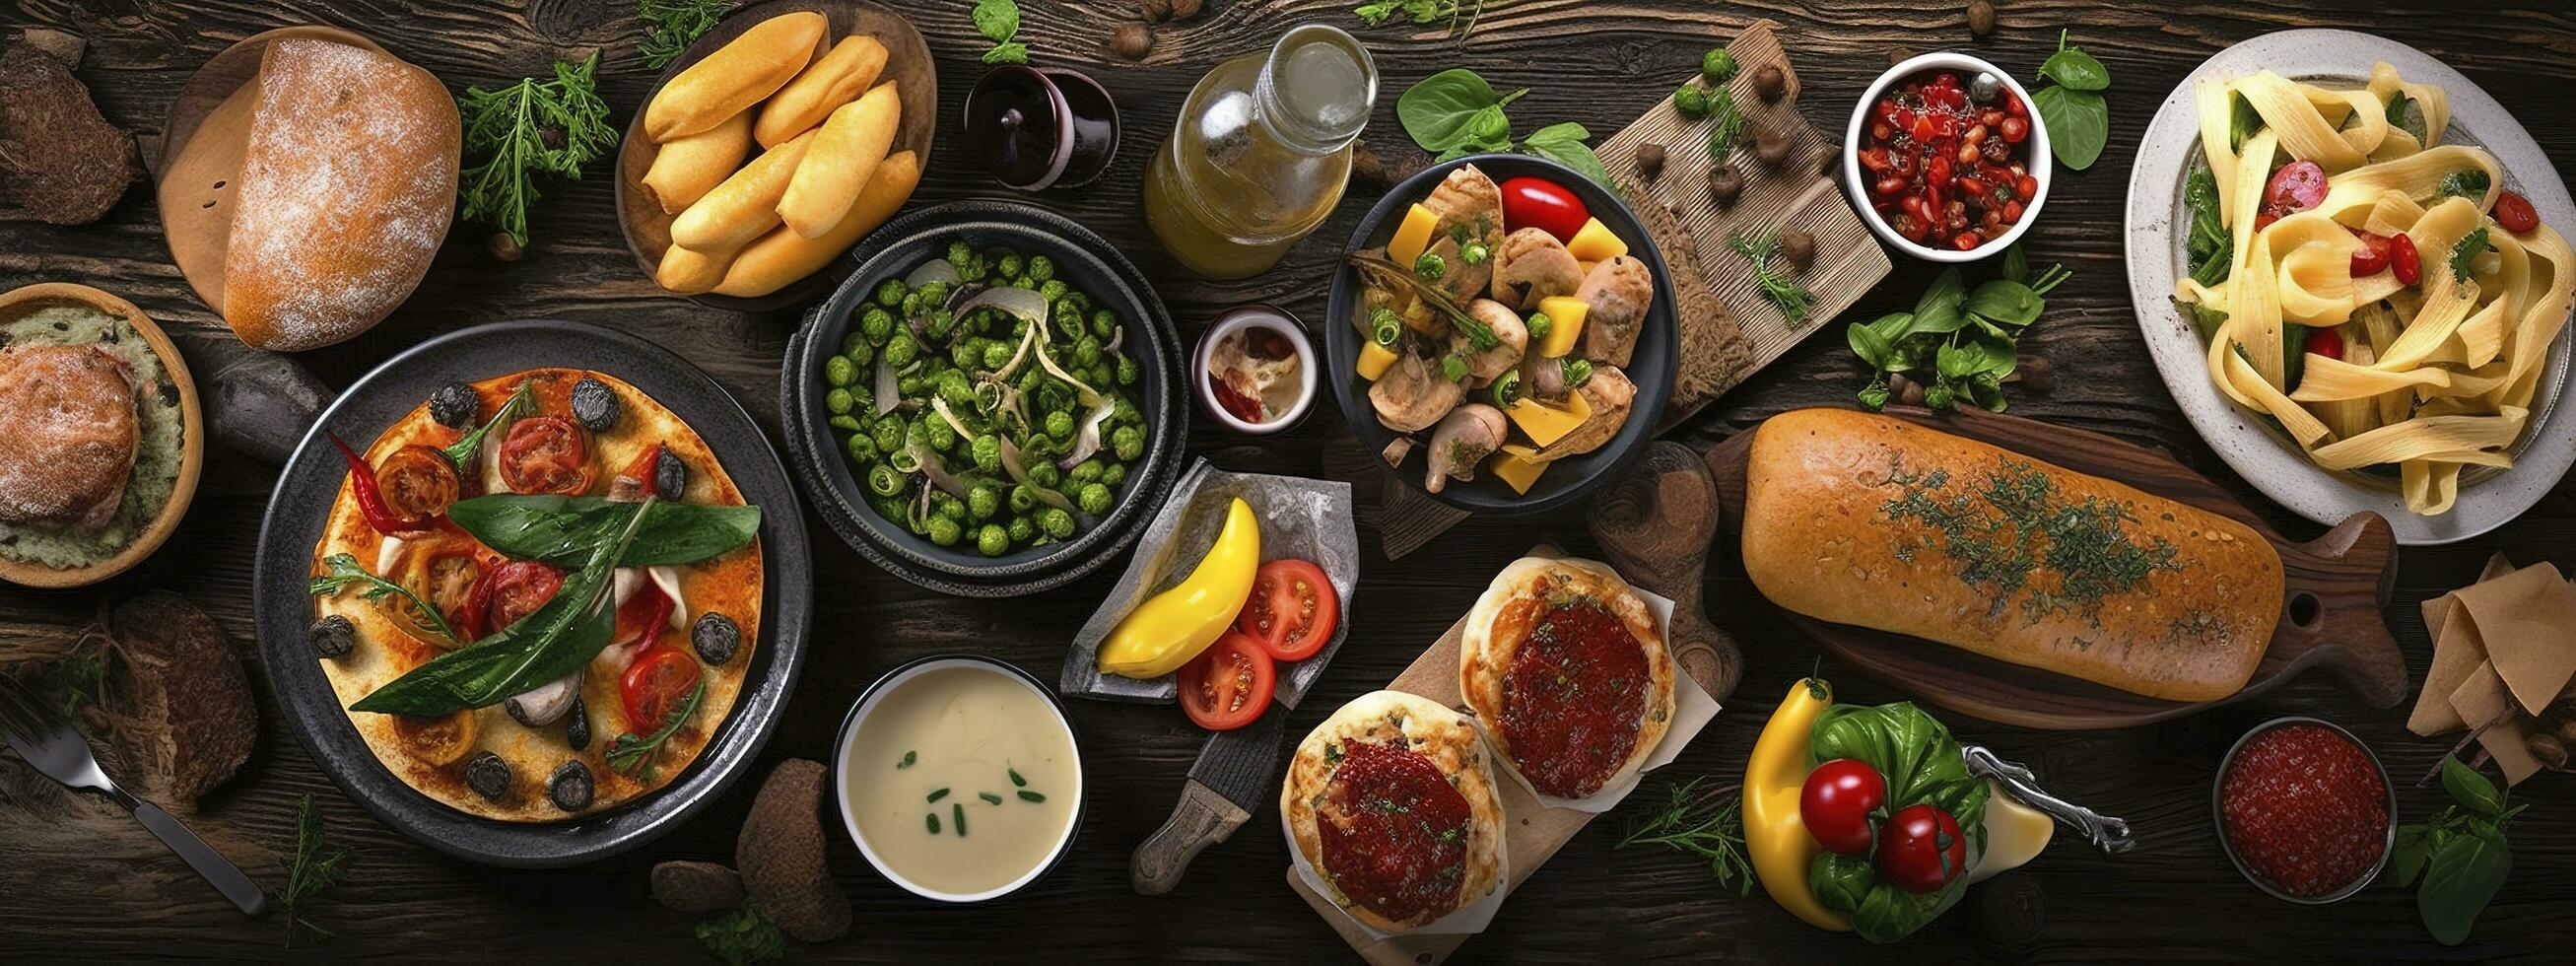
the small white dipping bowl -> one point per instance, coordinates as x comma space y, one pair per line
1246, 317
868, 702
2040, 162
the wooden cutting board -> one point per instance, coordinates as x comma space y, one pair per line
1728, 330
1531, 832
2331, 617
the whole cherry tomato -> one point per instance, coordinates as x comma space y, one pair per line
1544, 205
2513, 211
2372, 257
2326, 343
1837, 802
1922, 850
2403, 260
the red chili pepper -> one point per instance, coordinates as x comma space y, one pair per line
2403, 260
469, 619
642, 471
371, 501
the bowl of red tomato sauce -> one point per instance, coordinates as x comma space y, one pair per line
1946, 158
2305, 810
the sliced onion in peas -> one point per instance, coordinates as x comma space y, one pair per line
934, 270
1020, 474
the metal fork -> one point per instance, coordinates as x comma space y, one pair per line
48, 742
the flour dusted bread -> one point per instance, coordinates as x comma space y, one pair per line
347, 186
1870, 520
68, 429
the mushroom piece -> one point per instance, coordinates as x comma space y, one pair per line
1533, 265
1617, 294
1611, 396
1465, 437
544, 704
1414, 393
1511, 339
1396, 450
1543, 379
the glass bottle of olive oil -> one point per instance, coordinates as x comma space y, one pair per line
1261, 152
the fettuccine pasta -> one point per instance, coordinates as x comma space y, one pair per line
2316, 315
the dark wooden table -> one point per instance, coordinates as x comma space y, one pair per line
69, 892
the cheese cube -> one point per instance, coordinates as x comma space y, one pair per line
1565, 324
1411, 237
1595, 243
1517, 465
1546, 424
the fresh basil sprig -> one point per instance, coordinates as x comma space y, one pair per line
1455, 113
633, 753
561, 530
1969, 341
340, 570
549, 643
2460, 853
2078, 119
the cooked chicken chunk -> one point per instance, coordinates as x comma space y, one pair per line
1511, 339
1610, 394
1618, 291
1533, 265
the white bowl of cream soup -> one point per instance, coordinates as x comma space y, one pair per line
959, 779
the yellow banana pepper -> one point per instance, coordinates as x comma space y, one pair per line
1171, 627
1781, 847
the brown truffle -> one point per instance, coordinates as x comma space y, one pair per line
1769, 82
180, 688
60, 161
505, 247
780, 854
1798, 248
1981, 17
1772, 147
696, 886
2034, 374
1650, 161
1132, 41
1724, 185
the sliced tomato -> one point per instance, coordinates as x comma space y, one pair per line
474, 618
654, 685
519, 588
439, 739
418, 483
452, 578
1228, 685
546, 454
1544, 205
642, 615
1292, 611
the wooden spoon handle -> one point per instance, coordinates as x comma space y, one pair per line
1202, 818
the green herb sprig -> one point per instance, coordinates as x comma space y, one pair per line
318, 865
1709, 825
1455, 113
340, 570
2465, 254
743, 936
999, 22
522, 402
1459, 16
1787, 294
2078, 118
1967, 341
79, 677
552, 126
2460, 854
670, 26
633, 754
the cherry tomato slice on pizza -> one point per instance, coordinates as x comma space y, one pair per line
546, 454
518, 589
655, 684
1228, 685
418, 483
1292, 611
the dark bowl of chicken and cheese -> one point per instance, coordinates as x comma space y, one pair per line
1501, 329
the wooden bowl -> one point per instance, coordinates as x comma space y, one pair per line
204, 138
908, 64
25, 301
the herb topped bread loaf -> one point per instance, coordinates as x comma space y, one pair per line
1863, 519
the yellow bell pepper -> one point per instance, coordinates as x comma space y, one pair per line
1171, 627
1781, 848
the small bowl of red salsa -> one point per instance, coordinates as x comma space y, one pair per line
1946, 158
2305, 810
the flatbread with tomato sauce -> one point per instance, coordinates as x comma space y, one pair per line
548, 451
1567, 669
1391, 802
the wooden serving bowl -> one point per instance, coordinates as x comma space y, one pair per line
22, 302
908, 64
204, 138
2331, 612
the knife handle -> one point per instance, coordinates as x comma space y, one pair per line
1200, 819
218, 871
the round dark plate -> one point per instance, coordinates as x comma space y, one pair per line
1652, 365
312, 479
1086, 262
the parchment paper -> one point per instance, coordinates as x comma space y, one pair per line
1300, 518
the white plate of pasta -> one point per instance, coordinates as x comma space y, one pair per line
2346, 259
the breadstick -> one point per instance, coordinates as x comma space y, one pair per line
689, 272
846, 151
834, 79
689, 167
783, 256
745, 205
735, 77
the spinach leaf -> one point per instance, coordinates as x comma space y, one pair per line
554, 640
1871, 347
2470, 788
2461, 879
2072, 67
562, 529
1454, 109
1563, 144
2079, 124
2211, 248
1842, 881
2243, 122
2415, 843
2005, 302
1922, 766
2016, 265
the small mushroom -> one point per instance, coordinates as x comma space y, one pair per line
1132, 41
488, 776
456, 405
670, 475
1772, 147
1396, 450
1650, 161
1981, 17
577, 726
1769, 82
716, 637
544, 704
781, 854
571, 787
333, 636
1798, 248
2034, 374
1465, 437
1725, 185
505, 247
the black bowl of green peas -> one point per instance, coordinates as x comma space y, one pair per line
987, 405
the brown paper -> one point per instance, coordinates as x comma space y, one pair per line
2527, 620
2457, 651
2481, 701
2506, 744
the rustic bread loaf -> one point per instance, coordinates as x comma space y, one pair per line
347, 186
1863, 519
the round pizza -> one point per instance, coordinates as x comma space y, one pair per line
537, 595
1568, 670
1391, 803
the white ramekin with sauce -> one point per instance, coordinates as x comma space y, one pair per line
1255, 370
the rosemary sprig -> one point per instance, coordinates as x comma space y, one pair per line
1785, 293
341, 570
1729, 126
552, 126
318, 865
633, 754
1709, 825
670, 26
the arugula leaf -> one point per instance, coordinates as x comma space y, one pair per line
562, 530
340, 570
2397, 101
522, 402
2073, 68
1423, 13
2211, 249
2079, 124
509, 128
553, 641
2465, 183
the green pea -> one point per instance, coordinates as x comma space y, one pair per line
890, 292
1009, 264
877, 324
948, 507
911, 305
1059, 424
1086, 353
860, 354
1041, 268
1052, 289
901, 350
997, 355
1104, 322
959, 253
863, 450
848, 424
1114, 475
945, 532
856, 340
934, 293
1045, 475
993, 541
1128, 442
1127, 371
889, 434
983, 501
1094, 499
988, 453
965, 353
838, 401
1057, 523
1085, 472
1022, 529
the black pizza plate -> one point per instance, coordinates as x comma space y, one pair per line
1084, 260
311, 480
